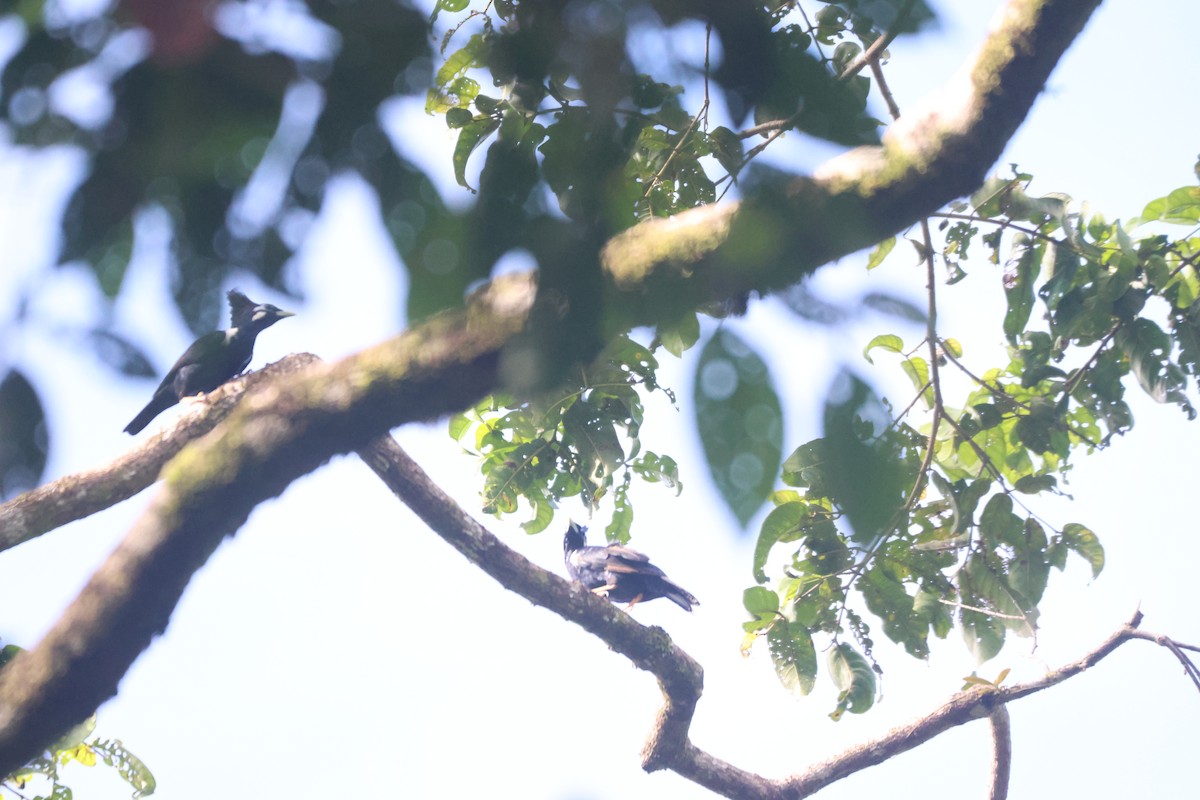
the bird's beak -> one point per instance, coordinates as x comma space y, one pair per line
283, 313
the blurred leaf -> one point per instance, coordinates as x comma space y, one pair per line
680, 334
1019, 279
740, 422
23, 435
794, 656
120, 354
855, 679
1028, 570
1181, 207
1148, 350
1083, 541
805, 92
983, 634
893, 306
761, 601
881, 252
866, 478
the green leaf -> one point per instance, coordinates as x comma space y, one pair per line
592, 433
1028, 570
1148, 350
998, 524
983, 634
794, 656
459, 425
887, 599
680, 334
740, 422
888, 341
781, 525
1034, 484
867, 478
1013, 611
543, 516
805, 468
622, 519
1083, 541
458, 117
1181, 207
854, 677
917, 370
761, 601
880, 252
469, 137
1018, 292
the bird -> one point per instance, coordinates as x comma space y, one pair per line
620, 573
213, 358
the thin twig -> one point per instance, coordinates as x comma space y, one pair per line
871, 54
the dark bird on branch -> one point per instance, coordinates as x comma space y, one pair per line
213, 358
619, 573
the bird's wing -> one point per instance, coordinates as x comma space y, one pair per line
628, 561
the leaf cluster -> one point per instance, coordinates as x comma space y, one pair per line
920, 518
580, 440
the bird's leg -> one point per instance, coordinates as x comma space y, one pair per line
633, 602
603, 591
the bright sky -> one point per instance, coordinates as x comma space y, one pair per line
336, 646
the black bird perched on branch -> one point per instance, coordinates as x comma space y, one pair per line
213, 358
618, 572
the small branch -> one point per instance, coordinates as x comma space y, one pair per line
872, 53
82, 494
1001, 752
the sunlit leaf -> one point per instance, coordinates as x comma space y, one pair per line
888, 341
881, 252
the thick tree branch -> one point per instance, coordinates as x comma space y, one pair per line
280, 431
82, 494
934, 154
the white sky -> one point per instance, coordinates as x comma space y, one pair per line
336, 646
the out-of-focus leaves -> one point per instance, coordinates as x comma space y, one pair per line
740, 422
120, 354
893, 306
1181, 207
1084, 541
1148, 350
794, 656
23, 435
855, 679
807, 94
866, 477
881, 252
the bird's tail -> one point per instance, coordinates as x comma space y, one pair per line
158, 404
678, 595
